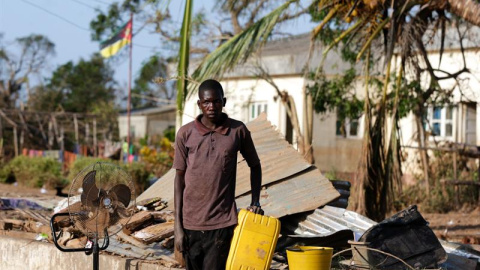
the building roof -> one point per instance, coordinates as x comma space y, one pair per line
288, 56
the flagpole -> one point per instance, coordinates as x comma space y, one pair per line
129, 87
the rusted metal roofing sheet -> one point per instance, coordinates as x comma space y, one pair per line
279, 159
327, 221
295, 194
280, 165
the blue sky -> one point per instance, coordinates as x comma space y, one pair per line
71, 34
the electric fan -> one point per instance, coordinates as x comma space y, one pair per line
99, 197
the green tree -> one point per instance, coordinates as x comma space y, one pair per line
76, 87
147, 93
15, 70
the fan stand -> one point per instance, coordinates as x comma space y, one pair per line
94, 249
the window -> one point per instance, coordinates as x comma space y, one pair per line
256, 108
439, 121
348, 128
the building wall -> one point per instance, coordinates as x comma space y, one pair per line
158, 123
147, 124
242, 92
138, 126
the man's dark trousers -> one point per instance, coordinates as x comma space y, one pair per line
207, 250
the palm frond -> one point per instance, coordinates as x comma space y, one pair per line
343, 35
325, 20
237, 50
183, 61
372, 37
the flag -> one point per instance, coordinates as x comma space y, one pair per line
123, 37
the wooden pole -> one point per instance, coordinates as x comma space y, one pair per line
40, 126
50, 134
22, 132
75, 124
62, 136
87, 133
95, 153
129, 86
15, 143
1, 140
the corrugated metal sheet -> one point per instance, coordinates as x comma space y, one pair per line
279, 159
327, 221
291, 187
154, 251
295, 194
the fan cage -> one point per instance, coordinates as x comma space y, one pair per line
97, 202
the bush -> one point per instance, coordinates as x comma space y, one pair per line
35, 171
136, 170
140, 175
169, 133
82, 163
4, 173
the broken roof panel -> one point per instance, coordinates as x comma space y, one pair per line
298, 189
296, 194
328, 220
279, 159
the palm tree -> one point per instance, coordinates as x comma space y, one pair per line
183, 56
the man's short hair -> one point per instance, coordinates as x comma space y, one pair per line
210, 84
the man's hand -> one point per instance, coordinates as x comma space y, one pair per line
255, 209
179, 238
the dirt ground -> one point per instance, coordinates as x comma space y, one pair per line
8, 190
461, 226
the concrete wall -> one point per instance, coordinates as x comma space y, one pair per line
138, 123
19, 254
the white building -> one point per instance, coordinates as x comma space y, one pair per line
148, 121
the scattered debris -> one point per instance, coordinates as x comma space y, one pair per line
311, 209
407, 236
14, 203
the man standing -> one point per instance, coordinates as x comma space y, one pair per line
206, 167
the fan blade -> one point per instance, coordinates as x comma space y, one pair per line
123, 193
90, 193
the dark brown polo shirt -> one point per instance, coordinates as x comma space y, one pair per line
209, 159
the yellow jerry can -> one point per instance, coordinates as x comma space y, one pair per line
253, 243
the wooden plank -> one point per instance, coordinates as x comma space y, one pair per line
77, 242
179, 258
34, 215
15, 222
6, 226
163, 216
140, 219
36, 227
155, 233
129, 239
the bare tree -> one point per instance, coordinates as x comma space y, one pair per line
15, 70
